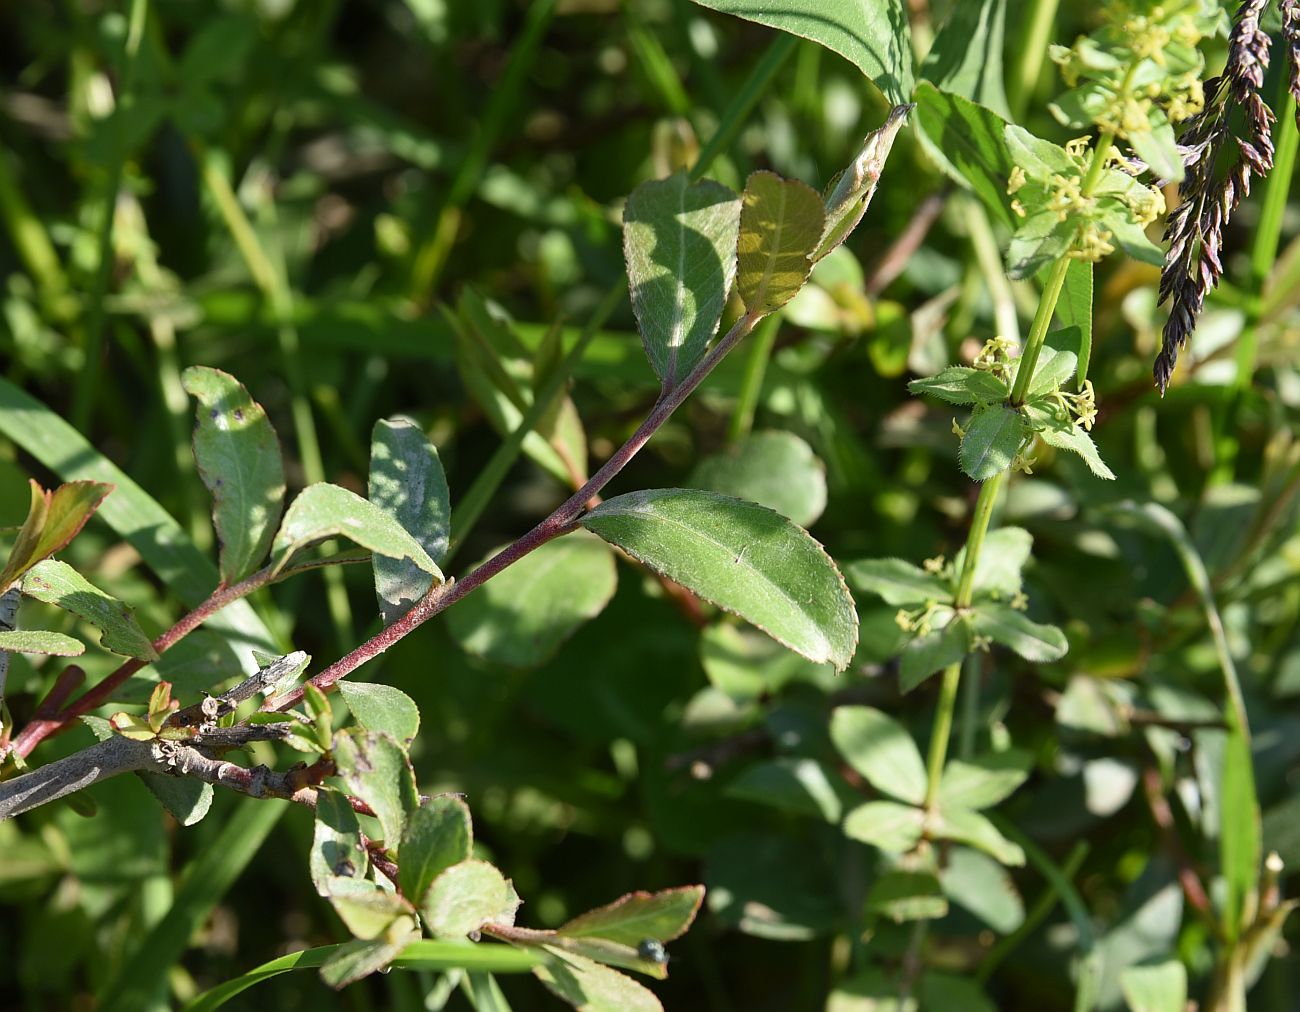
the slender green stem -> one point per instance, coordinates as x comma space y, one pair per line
975, 539
751, 385
31, 241
990, 264
947, 702
1032, 47
1038, 330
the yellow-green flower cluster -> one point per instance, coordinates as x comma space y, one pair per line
1139, 73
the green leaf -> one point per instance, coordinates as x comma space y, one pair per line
522, 616
879, 748
188, 800
966, 56
238, 457
31, 641
1053, 369
796, 785
1075, 309
590, 987
741, 556
679, 241
144, 524
1038, 241
662, 916
934, 651
466, 896
897, 581
965, 826
1159, 987
959, 384
1041, 159
1064, 434
407, 480
326, 511
1158, 147
872, 36
358, 959
849, 193
379, 707
904, 895
992, 438
337, 850
602, 950
378, 772
743, 663
774, 469
969, 146
888, 825
976, 882
1033, 641
998, 570
368, 910
57, 583
781, 224
438, 834
984, 781
53, 519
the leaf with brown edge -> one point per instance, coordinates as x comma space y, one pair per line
54, 519
630, 919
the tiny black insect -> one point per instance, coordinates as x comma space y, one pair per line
653, 950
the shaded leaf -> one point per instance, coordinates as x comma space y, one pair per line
591, 987
378, 772
998, 570
741, 556
357, 959
1159, 987
407, 480
187, 800
238, 457
966, 56
976, 882
879, 748
522, 616
795, 785
337, 850
57, 583
774, 469
969, 145
904, 895
679, 241
934, 651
